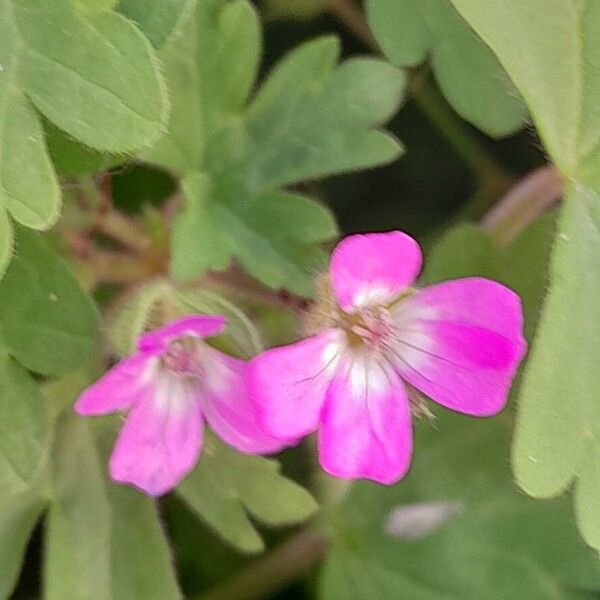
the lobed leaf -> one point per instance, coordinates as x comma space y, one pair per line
111, 99
309, 119
226, 486
550, 50
467, 71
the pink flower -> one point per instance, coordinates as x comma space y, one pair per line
459, 342
170, 386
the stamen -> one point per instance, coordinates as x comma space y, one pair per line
183, 357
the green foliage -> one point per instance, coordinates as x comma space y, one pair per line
226, 486
467, 71
157, 19
101, 541
309, 119
549, 49
43, 307
111, 99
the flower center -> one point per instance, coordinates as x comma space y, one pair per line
371, 327
183, 357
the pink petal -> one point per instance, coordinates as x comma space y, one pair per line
199, 326
123, 385
227, 407
288, 384
366, 427
461, 343
373, 268
161, 440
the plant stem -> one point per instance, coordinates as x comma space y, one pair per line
285, 564
523, 203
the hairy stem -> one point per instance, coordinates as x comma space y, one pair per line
284, 565
523, 203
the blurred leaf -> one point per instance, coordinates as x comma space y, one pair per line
24, 446
469, 74
72, 159
141, 562
24, 428
158, 19
464, 251
309, 119
293, 9
226, 484
501, 545
102, 540
77, 545
47, 322
6, 242
94, 5
550, 50
18, 517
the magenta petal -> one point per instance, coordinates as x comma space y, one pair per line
288, 384
461, 343
373, 268
199, 326
227, 407
366, 429
127, 382
161, 440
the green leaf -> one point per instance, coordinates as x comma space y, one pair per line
556, 426
94, 5
72, 159
135, 531
6, 242
28, 185
18, 517
226, 486
111, 98
549, 49
94, 527
489, 541
469, 74
24, 446
158, 19
273, 235
24, 428
309, 119
44, 308
464, 251
77, 533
